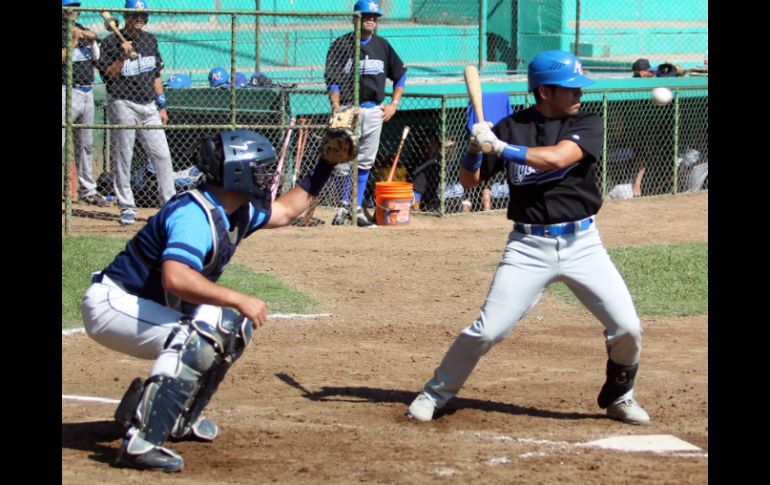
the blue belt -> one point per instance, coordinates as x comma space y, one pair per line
368, 104
554, 229
85, 89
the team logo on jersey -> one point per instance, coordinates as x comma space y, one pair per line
372, 67
82, 53
138, 66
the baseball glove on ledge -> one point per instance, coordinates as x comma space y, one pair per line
340, 143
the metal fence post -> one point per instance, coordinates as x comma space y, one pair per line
603, 160
675, 172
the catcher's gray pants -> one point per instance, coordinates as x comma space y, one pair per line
531, 263
124, 112
83, 114
123, 322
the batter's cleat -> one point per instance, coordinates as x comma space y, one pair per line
127, 218
341, 217
363, 221
422, 408
628, 411
156, 458
203, 430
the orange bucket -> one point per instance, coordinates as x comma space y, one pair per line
394, 203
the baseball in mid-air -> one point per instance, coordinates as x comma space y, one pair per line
661, 96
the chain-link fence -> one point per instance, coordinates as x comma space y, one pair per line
281, 92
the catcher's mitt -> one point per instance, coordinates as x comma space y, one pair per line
340, 143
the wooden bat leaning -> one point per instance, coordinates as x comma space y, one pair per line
398, 153
109, 23
473, 85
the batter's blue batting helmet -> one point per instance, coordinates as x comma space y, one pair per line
70, 3
218, 77
556, 68
368, 6
241, 161
140, 4
178, 81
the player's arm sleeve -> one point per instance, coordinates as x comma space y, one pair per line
259, 217
158, 60
189, 237
588, 133
110, 52
396, 68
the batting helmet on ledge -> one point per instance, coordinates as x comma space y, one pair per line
557, 68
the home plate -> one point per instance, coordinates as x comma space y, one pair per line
650, 442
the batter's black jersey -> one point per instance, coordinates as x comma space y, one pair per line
137, 77
82, 57
378, 62
553, 196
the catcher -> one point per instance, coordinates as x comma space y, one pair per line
159, 298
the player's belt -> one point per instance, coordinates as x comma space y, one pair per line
106, 280
85, 89
368, 104
554, 229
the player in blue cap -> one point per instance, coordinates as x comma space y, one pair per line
550, 153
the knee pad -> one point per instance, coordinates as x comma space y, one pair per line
620, 380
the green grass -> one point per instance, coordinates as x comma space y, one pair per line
664, 279
81, 256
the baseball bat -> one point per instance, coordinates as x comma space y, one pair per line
300, 153
404, 134
279, 168
111, 24
473, 85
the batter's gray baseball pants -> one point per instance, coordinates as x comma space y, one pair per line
529, 264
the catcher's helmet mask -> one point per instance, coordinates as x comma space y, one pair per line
241, 161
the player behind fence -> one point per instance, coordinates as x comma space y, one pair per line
159, 298
378, 62
549, 152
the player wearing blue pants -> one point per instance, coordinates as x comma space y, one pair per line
549, 153
159, 298
378, 62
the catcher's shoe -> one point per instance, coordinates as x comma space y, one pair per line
202, 430
341, 217
628, 411
363, 221
422, 408
137, 453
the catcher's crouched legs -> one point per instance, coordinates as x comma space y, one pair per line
185, 376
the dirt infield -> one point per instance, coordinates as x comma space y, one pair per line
323, 401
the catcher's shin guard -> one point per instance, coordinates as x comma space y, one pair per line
218, 338
620, 380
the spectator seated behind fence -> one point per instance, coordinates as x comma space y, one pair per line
425, 172
136, 97
626, 164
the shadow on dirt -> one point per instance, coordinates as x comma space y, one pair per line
369, 394
93, 436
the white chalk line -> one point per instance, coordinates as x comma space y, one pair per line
71, 397
272, 316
